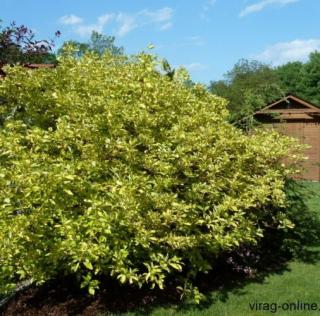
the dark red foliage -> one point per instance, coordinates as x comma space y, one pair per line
18, 45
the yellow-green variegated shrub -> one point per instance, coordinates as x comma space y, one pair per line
108, 167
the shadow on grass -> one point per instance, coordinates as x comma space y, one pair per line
231, 282
232, 272
303, 241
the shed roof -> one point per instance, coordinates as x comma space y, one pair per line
290, 104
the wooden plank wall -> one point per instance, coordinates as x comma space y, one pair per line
307, 132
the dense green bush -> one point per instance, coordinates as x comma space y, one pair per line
108, 167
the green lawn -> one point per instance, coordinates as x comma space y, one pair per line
299, 282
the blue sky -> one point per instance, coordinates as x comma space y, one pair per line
206, 36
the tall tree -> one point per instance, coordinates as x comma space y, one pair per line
311, 78
18, 45
248, 86
290, 75
98, 43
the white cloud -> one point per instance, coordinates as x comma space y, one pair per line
123, 22
166, 26
85, 30
194, 41
195, 67
297, 50
70, 19
162, 15
161, 18
207, 6
261, 5
127, 24
98, 26
104, 19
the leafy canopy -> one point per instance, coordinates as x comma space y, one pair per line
248, 86
108, 167
98, 44
18, 45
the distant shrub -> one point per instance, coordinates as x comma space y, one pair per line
110, 168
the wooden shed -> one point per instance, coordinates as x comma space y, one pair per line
296, 117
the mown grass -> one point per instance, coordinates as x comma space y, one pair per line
298, 281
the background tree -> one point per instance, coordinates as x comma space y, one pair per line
310, 79
290, 75
98, 43
302, 79
248, 86
18, 45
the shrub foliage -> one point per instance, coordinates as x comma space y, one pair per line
110, 168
